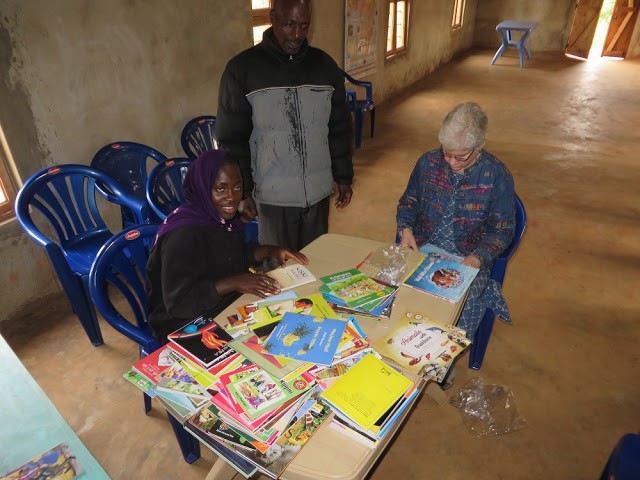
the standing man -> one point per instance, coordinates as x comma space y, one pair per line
282, 115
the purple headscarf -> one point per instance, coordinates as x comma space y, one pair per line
198, 210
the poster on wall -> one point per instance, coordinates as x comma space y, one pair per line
360, 38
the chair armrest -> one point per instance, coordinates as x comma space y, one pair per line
351, 98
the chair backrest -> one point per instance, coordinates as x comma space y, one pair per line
351, 96
66, 196
500, 265
118, 272
164, 186
199, 136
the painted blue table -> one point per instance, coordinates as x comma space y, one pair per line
31, 424
505, 29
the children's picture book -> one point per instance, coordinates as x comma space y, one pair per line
154, 364
291, 276
140, 381
419, 345
441, 274
366, 391
250, 346
355, 288
59, 463
202, 339
305, 337
314, 304
259, 392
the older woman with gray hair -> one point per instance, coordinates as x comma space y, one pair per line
461, 198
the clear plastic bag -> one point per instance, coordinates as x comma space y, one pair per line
487, 410
388, 264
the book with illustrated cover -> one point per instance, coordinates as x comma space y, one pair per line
421, 346
355, 288
366, 391
441, 274
314, 304
202, 339
58, 463
306, 338
291, 276
250, 346
258, 393
154, 364
140, 381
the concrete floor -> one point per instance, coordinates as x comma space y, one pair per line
568, 131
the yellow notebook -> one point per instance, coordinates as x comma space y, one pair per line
367, 390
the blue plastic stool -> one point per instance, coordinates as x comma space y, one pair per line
624, 462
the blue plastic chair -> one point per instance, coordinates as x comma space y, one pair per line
624, 461
66, 197
164, 186
164, 192
199, 136
129, 164
483, 334
360, 106
117, 285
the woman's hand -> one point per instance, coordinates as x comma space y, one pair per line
472, 261
253, 283
408, 240
280, 254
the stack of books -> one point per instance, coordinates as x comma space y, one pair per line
353, 292
368, 399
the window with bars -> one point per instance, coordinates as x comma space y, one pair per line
260, 10
397, 28
458, 14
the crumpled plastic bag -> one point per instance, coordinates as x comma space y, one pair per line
388, 264
487, 410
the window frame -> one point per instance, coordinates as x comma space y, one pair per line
260, 18
8, 189
391, 29
457, 19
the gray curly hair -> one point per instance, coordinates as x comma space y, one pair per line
464, 128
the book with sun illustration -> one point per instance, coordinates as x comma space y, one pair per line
305, 337
203, 340
421, 346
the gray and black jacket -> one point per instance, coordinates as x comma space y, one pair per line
284, 119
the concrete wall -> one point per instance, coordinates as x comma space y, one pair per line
78, 74
553, 17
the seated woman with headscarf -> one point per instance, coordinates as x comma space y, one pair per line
461, 199
199, 262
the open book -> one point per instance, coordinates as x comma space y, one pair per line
442, 274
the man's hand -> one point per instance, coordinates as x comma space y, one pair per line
247, 209
344, 195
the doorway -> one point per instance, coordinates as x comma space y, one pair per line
602, 28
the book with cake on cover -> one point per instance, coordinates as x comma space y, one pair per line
307, 338
422, 346
291, 276
441, 274
202, 339
356, 289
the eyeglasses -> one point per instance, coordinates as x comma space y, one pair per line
459, 158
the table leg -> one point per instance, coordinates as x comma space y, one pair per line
221, 470
500, 51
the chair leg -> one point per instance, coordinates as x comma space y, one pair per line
373, 120
358, 128
189, 445
500, 51
481, 340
